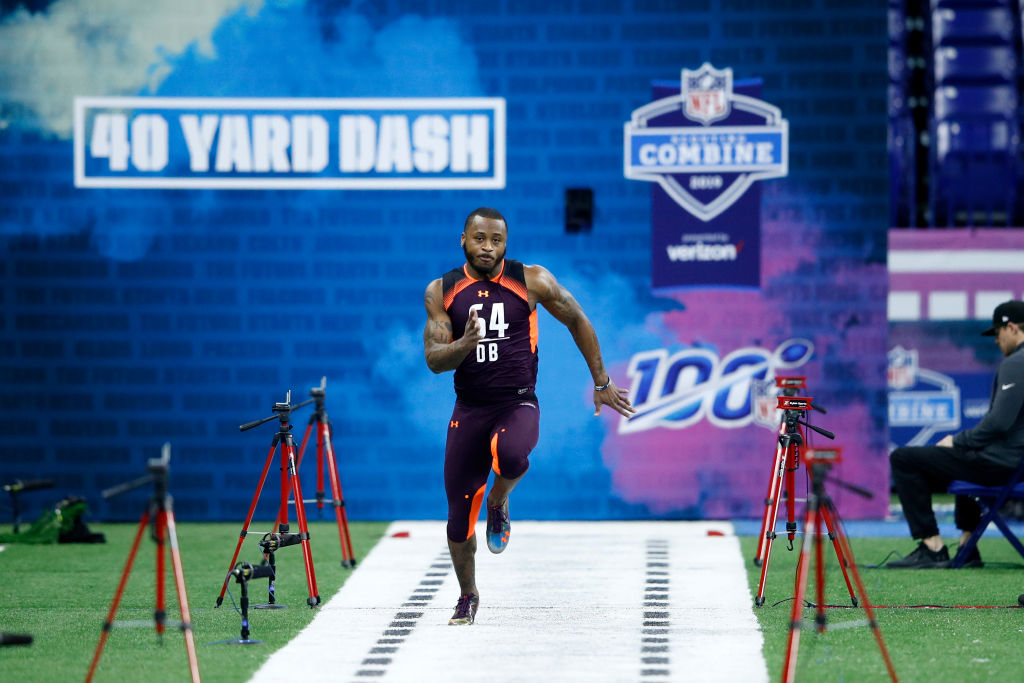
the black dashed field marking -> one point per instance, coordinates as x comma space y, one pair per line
654, 648
380, 656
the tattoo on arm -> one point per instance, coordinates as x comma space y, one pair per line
564, 307
441, 331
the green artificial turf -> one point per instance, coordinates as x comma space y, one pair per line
924, 644
61, 594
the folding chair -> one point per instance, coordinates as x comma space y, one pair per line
991, 499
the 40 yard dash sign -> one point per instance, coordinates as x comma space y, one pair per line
265, 143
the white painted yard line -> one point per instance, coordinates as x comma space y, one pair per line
564, 602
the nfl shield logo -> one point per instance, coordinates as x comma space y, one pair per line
706, 93
902, 368
763, 402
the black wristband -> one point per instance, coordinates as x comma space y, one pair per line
605, 385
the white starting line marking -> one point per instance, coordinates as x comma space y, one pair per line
566, 601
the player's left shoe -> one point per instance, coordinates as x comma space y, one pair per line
465, 610
498, 527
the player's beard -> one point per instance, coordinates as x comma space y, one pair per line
483, 269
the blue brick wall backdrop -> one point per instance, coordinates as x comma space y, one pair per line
135, 317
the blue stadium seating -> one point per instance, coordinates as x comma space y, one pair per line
902, 136
975, 140
972, 26
975, 65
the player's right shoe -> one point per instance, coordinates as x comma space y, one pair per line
498, 527
465, 610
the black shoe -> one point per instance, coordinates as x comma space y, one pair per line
922, 558
973, 560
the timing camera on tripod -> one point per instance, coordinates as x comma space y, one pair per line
279, 536
787, 459
820, 507
282, 537
325, 455
782, 481
159, 511
242, 573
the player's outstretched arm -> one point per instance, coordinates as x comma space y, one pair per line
557, 300
441, 352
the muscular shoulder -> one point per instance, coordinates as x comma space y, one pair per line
433, 296
540, 283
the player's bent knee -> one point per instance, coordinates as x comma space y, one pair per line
513, 468
900, 458
458, 532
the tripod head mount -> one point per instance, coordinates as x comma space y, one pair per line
321, 391
158, 469
821, 460
18, 486
793, 406
789, 386
319, 395
282, 412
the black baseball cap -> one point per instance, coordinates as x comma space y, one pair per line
1006, 312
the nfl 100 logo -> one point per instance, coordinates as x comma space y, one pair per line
707, 145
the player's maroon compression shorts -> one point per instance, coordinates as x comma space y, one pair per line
481, 438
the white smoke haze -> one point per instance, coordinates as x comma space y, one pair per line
100, 47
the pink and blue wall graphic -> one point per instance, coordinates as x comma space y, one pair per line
201, 211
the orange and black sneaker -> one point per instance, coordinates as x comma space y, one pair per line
498, 527
465, 610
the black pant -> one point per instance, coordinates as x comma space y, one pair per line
919, 471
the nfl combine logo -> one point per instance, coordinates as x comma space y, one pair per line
706, 168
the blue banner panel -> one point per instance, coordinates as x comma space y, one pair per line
704, 144
189, 278
327, 144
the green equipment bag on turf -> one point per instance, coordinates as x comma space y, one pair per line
61, 524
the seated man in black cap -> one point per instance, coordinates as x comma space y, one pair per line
986, 454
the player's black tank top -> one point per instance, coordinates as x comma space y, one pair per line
503, 366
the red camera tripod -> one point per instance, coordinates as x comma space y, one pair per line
787, 460
820, 507
159, 511
281, 537
325, 451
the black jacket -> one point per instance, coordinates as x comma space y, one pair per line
999, 437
